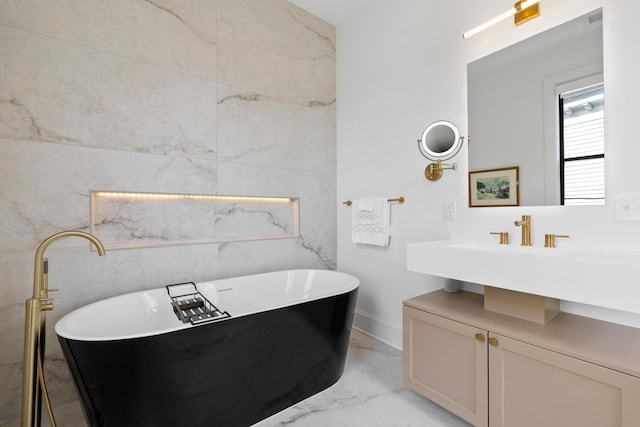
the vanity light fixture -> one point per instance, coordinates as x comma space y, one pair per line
522, 11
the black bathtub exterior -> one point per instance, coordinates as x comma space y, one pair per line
231, 373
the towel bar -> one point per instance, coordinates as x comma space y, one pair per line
399, 200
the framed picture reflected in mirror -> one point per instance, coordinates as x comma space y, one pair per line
494, 187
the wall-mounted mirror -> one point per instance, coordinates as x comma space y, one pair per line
440, 141
538, 105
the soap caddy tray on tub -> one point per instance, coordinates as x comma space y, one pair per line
190, 305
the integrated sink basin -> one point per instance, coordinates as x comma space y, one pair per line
514, 249
601, 278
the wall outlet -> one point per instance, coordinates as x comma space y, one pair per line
627, 206
449, 210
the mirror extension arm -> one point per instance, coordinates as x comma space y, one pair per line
434, 171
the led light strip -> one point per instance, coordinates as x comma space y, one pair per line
167, 196
512, 11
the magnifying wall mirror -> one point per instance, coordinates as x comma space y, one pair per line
440, 141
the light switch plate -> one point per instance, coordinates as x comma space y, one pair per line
627, 206
449, 210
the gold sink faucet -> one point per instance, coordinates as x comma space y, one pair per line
525, 223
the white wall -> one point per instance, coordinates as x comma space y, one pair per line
402, 65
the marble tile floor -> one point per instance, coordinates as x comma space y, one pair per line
370, 393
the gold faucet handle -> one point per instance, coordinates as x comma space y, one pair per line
45, 292
550, 239
46, 303
504, 236
526, 220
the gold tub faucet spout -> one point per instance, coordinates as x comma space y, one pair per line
525, 223
33, 386
39, 271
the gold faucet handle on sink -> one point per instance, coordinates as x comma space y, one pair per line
504, 236
550, 239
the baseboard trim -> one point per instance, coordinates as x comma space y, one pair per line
378, 328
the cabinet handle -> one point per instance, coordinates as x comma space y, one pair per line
493, 341
480, 337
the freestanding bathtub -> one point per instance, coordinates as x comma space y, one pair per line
136, 364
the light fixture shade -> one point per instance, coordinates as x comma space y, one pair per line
524, 12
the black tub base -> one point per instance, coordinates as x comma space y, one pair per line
231, 373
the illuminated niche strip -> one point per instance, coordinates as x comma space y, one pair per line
124, 220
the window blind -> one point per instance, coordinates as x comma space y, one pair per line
583, 148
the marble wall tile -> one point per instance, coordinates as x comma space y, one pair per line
10, 390
316, 190
12, 337
243, 220
240, 258
259, 129
175, 34
288, 19
60, 92
258, 59
323, 245
316, 248
59, 384
44, 188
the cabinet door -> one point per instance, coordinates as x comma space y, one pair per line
532, 387
445, 361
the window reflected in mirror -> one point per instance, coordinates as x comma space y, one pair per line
581, 125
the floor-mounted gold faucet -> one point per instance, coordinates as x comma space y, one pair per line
33, 384
525, 223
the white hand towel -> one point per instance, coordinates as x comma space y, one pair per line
367, 210
367, 203
371, 225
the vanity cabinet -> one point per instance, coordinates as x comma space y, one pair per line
500, 371
444, 361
